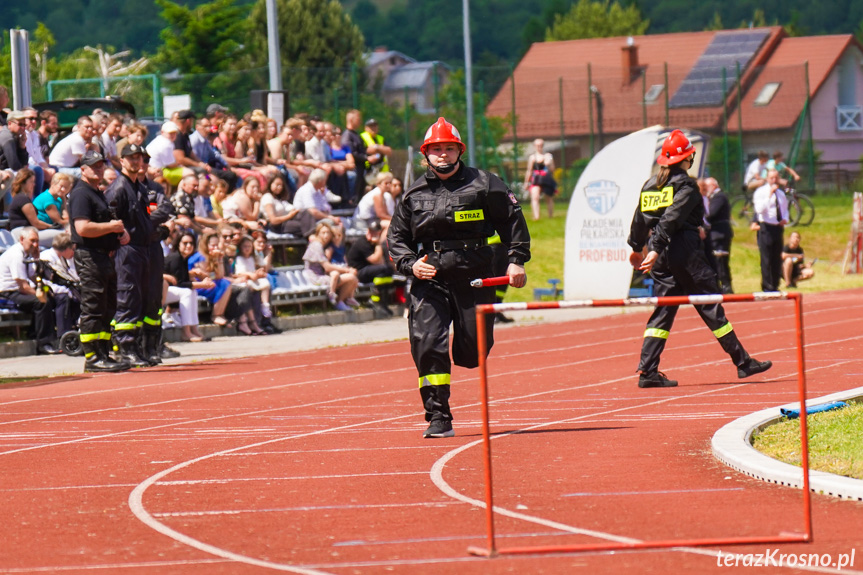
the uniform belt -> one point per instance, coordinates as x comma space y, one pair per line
470, 244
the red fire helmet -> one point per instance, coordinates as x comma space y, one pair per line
442, 132
675, 148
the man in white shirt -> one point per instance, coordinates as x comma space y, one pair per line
312, 196
755, 173
66, 155
161, 151
771, 210
16, 285
38, 163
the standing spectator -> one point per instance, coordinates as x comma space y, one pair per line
794, 266
771, 210
377, 152
68, 152
340, 280
36, 160
719, 217
756, 172
60, 256
369, 257
97, 235
163, 164
48, 127
130, 197
357, 148
17, 284
539, 179
281, 216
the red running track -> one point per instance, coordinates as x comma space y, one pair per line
313, 462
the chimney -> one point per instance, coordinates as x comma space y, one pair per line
631, 68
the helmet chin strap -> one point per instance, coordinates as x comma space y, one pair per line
446, 168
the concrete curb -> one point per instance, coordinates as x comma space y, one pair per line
732, 445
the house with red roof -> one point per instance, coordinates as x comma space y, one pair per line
750, 81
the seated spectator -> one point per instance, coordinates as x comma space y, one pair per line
794, 266
37, 161
340, 280
204, 214
48, 127
311, 196
22, 213
67, 305
201, 141
243, 206
210, 265
51, 204
281, 216
218, 193
109, 138
13, 146
183, 200
246, 148
17, 284
182, 289
135, 134
343, 175
246, 269
371, 260
163, 165
337, 250
67, 153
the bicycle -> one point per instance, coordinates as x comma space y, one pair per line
801, 210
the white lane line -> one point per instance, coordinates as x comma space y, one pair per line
643, 493
112, 566
361, 507
473, 537
294, 478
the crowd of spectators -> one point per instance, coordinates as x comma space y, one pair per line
231, 182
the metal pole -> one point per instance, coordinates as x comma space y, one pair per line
468, 79
727, 181
809, 118
483, 160
157, 96
273, 51
665, 91
590, 106
436, 84
514, 123
562, 135
407, 120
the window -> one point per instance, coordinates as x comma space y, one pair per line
767, 93
653, 93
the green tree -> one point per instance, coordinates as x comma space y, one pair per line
597, 19
319, 44
203, 43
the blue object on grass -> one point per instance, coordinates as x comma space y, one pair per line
792, 413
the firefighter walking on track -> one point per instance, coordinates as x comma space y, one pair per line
666, 221
440, 234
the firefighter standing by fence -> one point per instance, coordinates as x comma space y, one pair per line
133, 259
666, 220
439, 234
97, 234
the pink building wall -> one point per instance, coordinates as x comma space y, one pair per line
838, 146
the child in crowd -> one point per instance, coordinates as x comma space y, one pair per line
246, 266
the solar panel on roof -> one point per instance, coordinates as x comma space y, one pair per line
702, 87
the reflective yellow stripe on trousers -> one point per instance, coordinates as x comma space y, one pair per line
434, 379
724, 330
656, 332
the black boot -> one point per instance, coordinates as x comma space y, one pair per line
655, 379
150, 345
436, 402
753, 367
96, 358
166, 352
130, 354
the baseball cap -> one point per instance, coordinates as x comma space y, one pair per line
371, 122
375, 226
16, 115
214, 108
185, 114
131, 150
91, 158
169, 127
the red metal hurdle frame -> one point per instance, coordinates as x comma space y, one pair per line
492, 550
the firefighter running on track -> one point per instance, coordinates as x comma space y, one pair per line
666, 220
439, 234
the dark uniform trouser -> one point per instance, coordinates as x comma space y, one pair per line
98, 295
381, 278
132, 265
690, 276
433, 306
770, 248
152, 331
